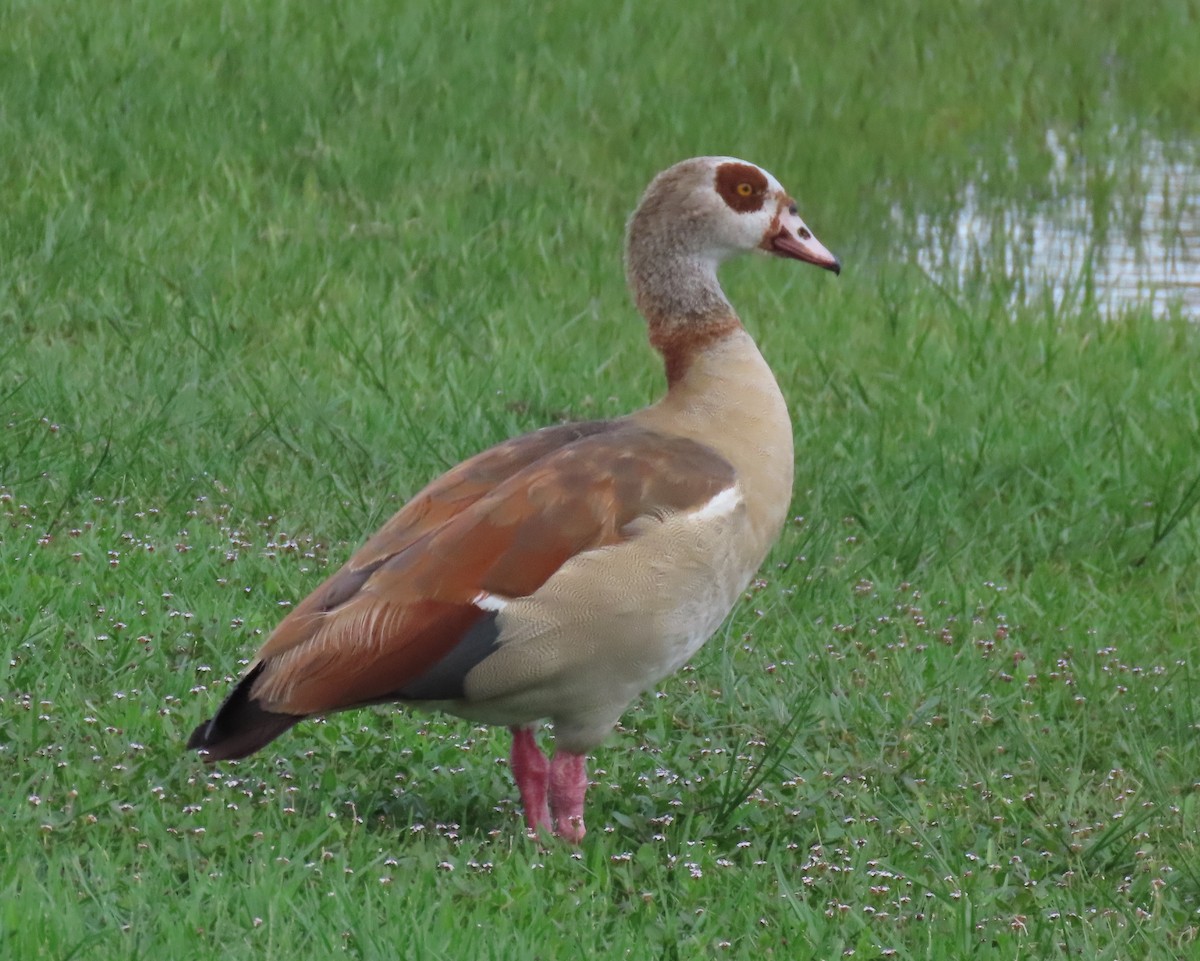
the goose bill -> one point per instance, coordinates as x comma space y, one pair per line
810, 250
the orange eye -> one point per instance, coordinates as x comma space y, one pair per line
744, 189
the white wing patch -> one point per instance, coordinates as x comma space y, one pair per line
489, 602
722, 504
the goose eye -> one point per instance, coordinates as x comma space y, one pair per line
744, 189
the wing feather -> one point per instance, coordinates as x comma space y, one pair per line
501, 523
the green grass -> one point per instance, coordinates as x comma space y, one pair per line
268, 267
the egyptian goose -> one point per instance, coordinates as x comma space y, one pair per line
560, 574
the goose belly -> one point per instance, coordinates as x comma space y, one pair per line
611, 623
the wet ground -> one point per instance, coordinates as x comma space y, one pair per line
1114, 238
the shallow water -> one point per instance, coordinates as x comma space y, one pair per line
1115, 238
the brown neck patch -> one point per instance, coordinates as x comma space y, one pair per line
742, 186
681, 343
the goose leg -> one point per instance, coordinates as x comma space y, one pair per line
568, 784
531, 771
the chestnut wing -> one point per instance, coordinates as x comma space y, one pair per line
408, 615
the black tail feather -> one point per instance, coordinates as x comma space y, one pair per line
240, 726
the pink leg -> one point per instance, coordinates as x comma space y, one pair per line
531, 771
568, 784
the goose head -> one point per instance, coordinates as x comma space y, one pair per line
709, 209
694, 216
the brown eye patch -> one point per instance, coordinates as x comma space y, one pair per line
742, 186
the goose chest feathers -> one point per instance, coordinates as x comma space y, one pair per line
560, 574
